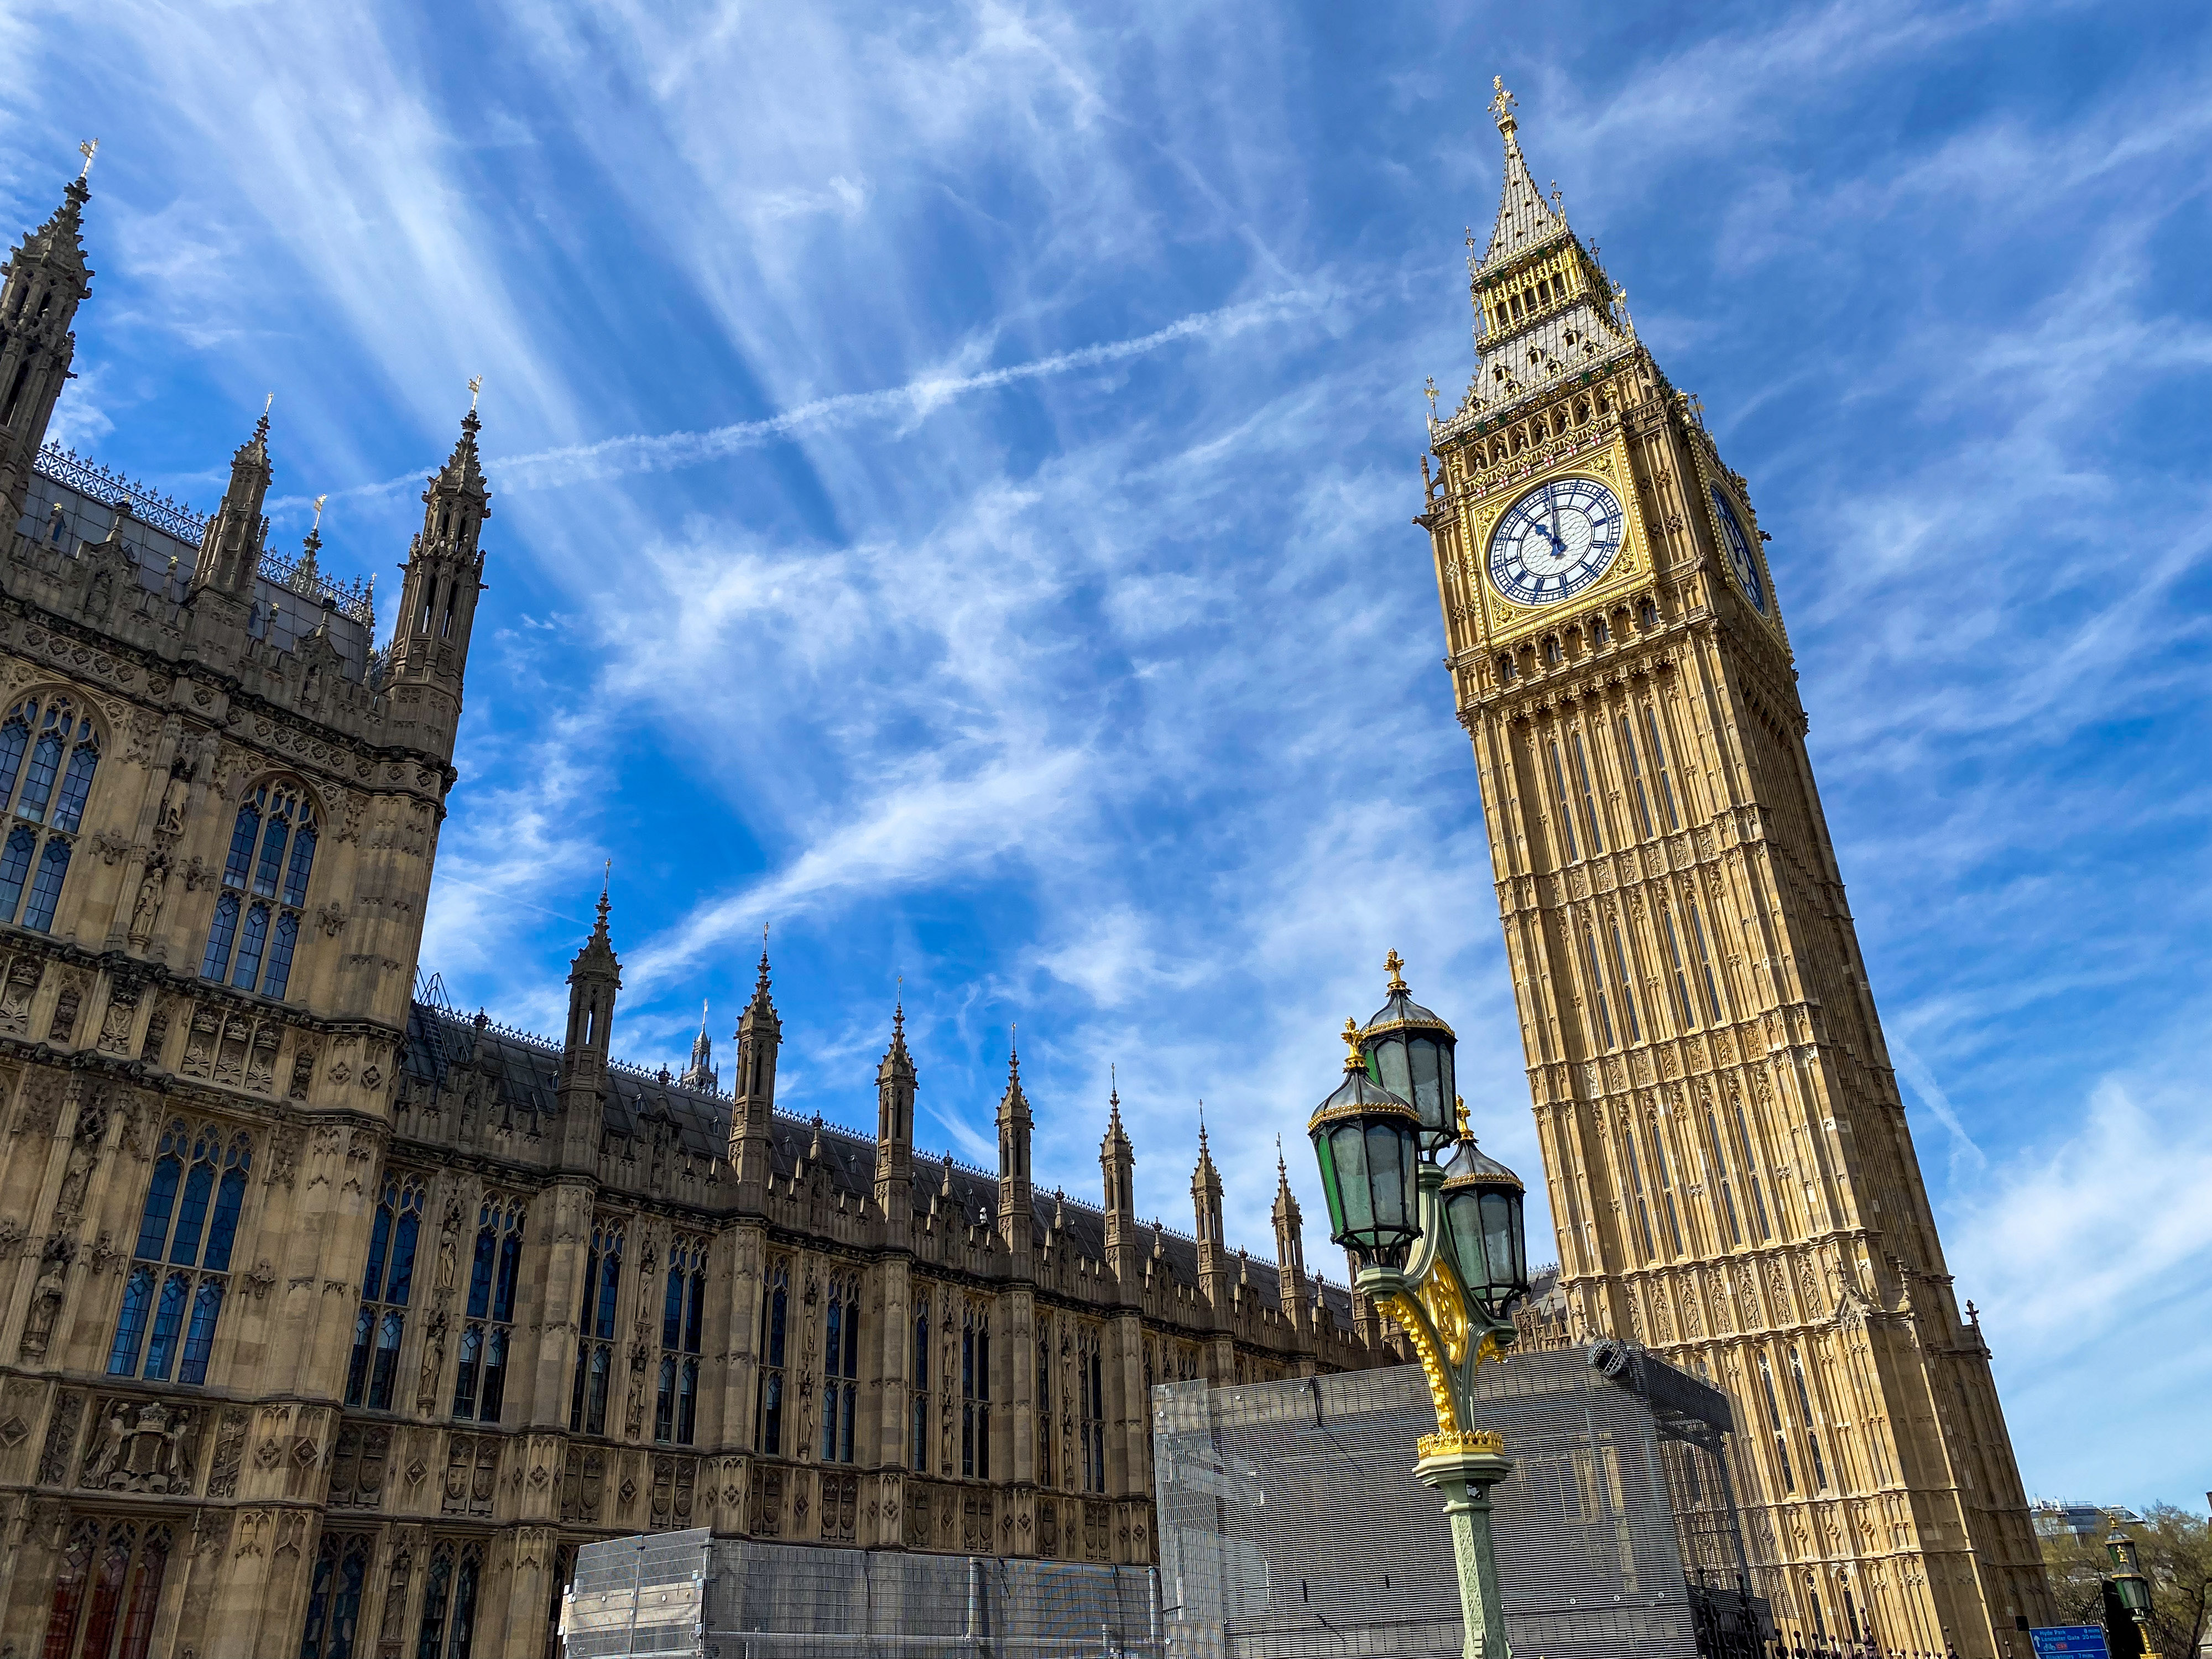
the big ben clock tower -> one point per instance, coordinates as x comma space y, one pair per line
1730, 1170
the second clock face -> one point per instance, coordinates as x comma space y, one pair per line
1737, 546
1555, 540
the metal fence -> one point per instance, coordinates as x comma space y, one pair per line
1292, 1525
692, 1596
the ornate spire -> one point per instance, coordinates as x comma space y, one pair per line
230, 548
1544, 306
702, 1074
1524, 217
760, 980
1394, 965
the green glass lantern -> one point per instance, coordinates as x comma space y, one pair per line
1410, 1052
1483, 1201
2127, 1574
1368, 1143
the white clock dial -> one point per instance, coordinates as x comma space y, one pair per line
1555, 540
1737, 546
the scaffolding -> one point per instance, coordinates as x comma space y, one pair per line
692, 1596
1292, 1525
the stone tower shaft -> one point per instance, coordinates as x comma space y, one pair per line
1730, 1171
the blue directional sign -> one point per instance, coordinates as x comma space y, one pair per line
2069, 1642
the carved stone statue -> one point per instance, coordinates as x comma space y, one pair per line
146, 910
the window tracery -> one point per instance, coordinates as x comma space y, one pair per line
595, 1345
194, 1199
775, 1320
256, 928
841, 1367
675, 1409
107, 1590
386, 1286
46, 739
480, 1387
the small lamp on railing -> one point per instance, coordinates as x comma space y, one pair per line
1368, 1143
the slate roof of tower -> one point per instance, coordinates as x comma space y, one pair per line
526, 1072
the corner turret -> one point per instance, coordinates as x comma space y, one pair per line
45, 281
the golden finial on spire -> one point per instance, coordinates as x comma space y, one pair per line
1394, 964
89, 149
475, 385
1351, 1038
1501, 107
1465, 1133
320, 500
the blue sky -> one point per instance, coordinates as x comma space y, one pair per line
951, 478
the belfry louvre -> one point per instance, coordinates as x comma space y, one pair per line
335, 1321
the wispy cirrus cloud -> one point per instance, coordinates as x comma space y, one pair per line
951, 476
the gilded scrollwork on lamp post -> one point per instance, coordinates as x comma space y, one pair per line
1440, 1248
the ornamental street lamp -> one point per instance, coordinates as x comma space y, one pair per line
1440, 1248
2134, 1588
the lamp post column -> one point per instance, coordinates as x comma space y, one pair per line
1465, 1479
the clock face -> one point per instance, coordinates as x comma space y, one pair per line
1737, 546
1555, 540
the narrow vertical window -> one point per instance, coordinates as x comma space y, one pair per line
1660, 1164
1716, 1007
587, 1395
920, 1406
1590, 795
386, 1285
676, 1408
1090, 1391
775, 1311
1721, 1177
1805, 1411
1635, 776
1597, 988
1636, 1190
1044, 1462
171, 1318
1681, 980
1659, 767
841, 1368
480, 1383
1774, 1425
1566, 810
1627, 985
976, 1393
1751, 1172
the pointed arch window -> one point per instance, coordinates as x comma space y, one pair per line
381, 1324
675, 1409
107, 1590
1090, 1404
48, 753
976, 1392
180, 1268
334, 1597
256, 930
1774, 1425
448, 1627
918, 1405
1045, 1472
841, 1387
480, 1386
595, 1348
775, 1321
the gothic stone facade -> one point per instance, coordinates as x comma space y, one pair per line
332, 1321
1730, 1167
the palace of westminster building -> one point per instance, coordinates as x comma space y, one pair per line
334, 1320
